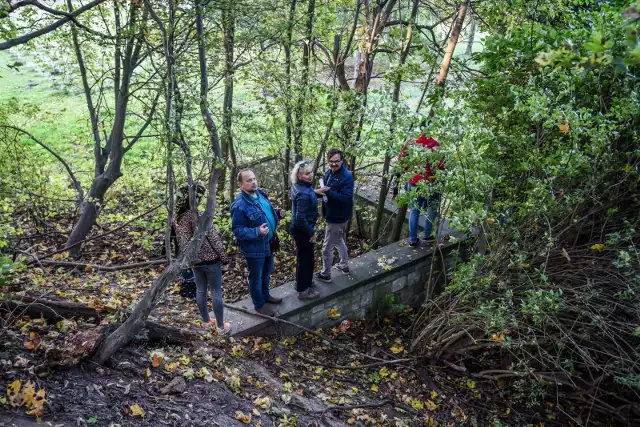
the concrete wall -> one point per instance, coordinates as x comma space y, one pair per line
370, 290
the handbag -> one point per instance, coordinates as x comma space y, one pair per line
274, 243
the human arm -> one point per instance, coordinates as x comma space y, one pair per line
345, 194
217, 245
240, 228
302, 203
185, 227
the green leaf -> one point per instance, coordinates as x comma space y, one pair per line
92, 420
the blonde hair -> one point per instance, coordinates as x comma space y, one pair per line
302, 166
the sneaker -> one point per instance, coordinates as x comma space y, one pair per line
226, 331
344, 270
308, 294
274, 300
212, 323
414, 244
266, 311
321, 277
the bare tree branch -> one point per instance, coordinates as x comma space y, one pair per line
49, 28
72, 176
146, 124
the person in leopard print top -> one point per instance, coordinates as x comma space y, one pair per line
207, 268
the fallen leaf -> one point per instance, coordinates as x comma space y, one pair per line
27, 395
136, 410
397, 349
245, 419
37, 404
262, 402
156, 360
13, 392
333, 313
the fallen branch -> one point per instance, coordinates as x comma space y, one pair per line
55, 310
88, 239
62, 310
346, 368
104, 267
312, 332
366, 405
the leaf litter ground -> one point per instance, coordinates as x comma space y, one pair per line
283, 381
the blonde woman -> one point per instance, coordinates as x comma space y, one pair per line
304, 214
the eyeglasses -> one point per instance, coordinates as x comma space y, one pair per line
335, 162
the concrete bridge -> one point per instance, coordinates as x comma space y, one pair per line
394, 270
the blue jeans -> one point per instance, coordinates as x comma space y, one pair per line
209, 276
430, 204
260, 270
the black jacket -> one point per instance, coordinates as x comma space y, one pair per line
304, 209
340, 196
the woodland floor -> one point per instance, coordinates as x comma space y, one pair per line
281, 381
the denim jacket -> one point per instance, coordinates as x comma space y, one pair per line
304, 209
246, 218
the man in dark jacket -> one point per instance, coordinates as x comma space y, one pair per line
337, 193
254, 221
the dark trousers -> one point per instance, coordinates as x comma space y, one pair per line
304, 261
260, 270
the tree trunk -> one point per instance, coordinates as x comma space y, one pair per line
472, 36
453, 40
113, 151
304, 91
288, 113
228, 152
384, 186
136, 321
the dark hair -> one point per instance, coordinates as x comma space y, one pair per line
333, 151
239, 177
182, 196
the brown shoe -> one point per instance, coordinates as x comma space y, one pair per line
264, 310
273, 300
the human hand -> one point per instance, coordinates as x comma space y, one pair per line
264, 230
322, 190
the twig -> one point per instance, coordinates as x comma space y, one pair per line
345, 368
113, 230
105, 267
366, 405
72, 176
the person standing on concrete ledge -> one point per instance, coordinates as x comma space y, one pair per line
431, 201
254, 221
304, 215
337, 209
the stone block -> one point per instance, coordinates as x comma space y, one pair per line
295, 318
369, 287
318, 318
366, 299
317, 308
413, 277
398, 284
